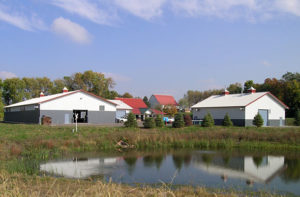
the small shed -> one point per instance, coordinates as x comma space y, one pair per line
62, 109
242, 108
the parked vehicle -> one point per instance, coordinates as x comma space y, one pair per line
121, 119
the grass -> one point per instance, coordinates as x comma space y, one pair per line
42, 142
15, 185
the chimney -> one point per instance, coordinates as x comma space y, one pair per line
42, 94
65, 90
225, 92
251, 90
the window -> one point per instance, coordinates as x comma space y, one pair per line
102, 108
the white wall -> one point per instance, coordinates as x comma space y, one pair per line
219, 113
266, 102
79, 100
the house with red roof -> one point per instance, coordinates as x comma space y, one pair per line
162, 100
139, 108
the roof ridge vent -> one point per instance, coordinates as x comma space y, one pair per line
252, 90
225, 92
42, 94
65, 90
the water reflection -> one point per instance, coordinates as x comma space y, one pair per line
207, 168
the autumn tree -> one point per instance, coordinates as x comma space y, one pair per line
170, 110
127, 95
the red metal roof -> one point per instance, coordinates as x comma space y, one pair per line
155, 111
133, 102
165, 100
136, 111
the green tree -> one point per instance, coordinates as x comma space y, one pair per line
235, 88
159, 121
208, 120
149, 123
187, 120
297, 118
1, 101
146, 101
127, 95
258, 120
13, 90
227, 121
247, 85
178, 121
131, 121
58, 86
112, 95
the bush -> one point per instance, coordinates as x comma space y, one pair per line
297, 118
208, 121
227, 121
258, 120
149, 123
187, 120
178, 122
159, 121
131, 121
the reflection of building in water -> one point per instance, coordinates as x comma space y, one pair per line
241, 167
80, 168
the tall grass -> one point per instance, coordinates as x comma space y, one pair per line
14, 185
47, 141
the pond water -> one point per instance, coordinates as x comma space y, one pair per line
214, 169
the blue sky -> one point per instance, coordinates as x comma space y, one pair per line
151, 46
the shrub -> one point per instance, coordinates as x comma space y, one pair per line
178, 122
187, 120
131, 121
227, 121
149, 123
258, 120
297, 118
208, 121
159, 121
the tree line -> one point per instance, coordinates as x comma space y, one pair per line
14, 90
287, 89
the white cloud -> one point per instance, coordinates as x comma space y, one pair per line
71, 30
266, 63
6, 75
289, 6
146, 9
20, 20
85, 9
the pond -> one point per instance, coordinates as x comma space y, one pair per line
278, 173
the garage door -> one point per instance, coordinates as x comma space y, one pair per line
265, 115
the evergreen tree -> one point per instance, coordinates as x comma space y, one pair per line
208, 120
258, 120
187, 120
178, 122
146, 101
149, 123
159, 121
131, 121
297, 118
227, 121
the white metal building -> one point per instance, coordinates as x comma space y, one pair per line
61, 108
242, 108
122, 108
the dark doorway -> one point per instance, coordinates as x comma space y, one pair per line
82, 116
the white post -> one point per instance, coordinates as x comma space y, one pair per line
76, 117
